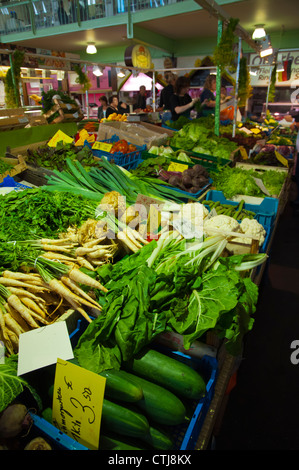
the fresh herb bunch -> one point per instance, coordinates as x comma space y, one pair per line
35, 213
224, 54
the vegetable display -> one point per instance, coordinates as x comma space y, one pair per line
56, 255
236, 180
55, 157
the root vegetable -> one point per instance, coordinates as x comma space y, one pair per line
63, 291
17, 317
12, 420
72, 285
57, 256
33, 306
94, 242
38, 443
26, 293
32, 277
82, 278
5, 336
14, 338
15, 302
8, 282
12, 324
84, 263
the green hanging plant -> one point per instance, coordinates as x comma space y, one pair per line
245, 89
12, 93
224, 54
271, 96
82, 78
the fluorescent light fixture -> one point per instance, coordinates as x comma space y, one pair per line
97, 71
259, 32
91, 48
120, 73
280, 67
266, 48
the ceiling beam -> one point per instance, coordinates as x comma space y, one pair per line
151, 39
218, 12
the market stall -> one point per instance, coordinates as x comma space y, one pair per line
65, 270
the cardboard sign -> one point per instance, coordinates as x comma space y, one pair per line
77, 403
281, 159
177, 167
102, 146
58, 137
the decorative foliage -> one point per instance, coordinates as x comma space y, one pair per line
271, 96
224, 54
13, 75
245, 89
82, 78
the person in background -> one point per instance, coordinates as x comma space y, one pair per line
165, 95
181, 102
116, 107
207, 97
77, 100
102, 108
62, 15
141, 99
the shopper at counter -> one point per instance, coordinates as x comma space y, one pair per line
103, 107
141, 99
181, 102
115, 106
207, 97
166, 93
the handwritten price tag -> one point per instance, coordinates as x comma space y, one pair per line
177, 167
58, 137
102, 146
77, 403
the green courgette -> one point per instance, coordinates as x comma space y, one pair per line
112, 443
159, 404
120, 387
158, 439
168, 372
123, 420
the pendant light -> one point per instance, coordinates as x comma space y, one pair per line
259, 32
91, 48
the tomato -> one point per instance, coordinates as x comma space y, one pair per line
131, 148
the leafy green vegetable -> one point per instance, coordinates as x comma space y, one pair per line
169, 285
35, 213
12, 385
236, 180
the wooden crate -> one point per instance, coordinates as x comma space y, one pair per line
67, 112
11, 119
19, 165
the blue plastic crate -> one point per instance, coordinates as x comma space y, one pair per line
58, 439
266, 211
185, 436
127, 160
9, 182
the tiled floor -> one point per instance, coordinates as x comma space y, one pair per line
262, 411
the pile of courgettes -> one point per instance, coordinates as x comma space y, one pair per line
145, 400
237, 212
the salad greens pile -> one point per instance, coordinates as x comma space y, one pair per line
169, 285
236, 180
199, 137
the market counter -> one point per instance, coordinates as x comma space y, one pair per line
30, 135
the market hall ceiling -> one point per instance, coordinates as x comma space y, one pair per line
151, 27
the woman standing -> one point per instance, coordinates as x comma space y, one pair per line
181, 102
102, 108
207, 97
